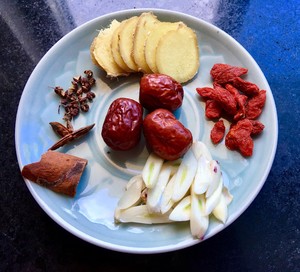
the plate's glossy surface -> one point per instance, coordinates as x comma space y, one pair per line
90, 214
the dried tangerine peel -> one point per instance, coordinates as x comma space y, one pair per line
101, 51
177, 54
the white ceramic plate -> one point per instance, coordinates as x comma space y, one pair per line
90, 214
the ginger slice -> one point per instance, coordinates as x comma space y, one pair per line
177, 54
115, 48
126, 42
153, 39
147, 21
56, 171
101, 52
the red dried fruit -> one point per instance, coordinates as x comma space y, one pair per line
165, 135
160, 91
241, 101
225, 99
205, 92
224, 73
122, 126
258, 127
244, 86
212, 109
239, 137
218, 131
255, 105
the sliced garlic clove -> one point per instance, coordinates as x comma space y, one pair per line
198, 220
151, 170
228, 196
185, 175
182, 211
133, 194
215, 171
175, 165
213, 200
221, 210
117, 215
133, 180
200, 149
203, 176
140, 214
155, 194
166, 199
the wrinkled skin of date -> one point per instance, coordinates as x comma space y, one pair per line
122, 126
160, 91
165, 135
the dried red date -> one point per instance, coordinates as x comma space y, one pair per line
218, 131
160, 91
123, 124
165, 135
224, 73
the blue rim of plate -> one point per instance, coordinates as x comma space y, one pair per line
229, 41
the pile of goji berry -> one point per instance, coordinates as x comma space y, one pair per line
237, 100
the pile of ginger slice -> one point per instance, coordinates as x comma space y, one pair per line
145, 44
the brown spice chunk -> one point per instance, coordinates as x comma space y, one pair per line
56, 171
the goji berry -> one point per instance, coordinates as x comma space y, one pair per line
241, 101
218, 131
212, 109
255, 105
205, 92
248, 88
258, 127
239, 137
224, 73
225, 99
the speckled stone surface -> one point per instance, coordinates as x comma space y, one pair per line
265, 238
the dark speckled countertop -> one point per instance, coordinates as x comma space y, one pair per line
267, 235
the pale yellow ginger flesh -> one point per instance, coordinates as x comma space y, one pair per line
177, 54
101, 51
153, 39
146, 23
115, 48
145, 44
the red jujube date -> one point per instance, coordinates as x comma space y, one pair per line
165, 135
122, 126
160, 91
